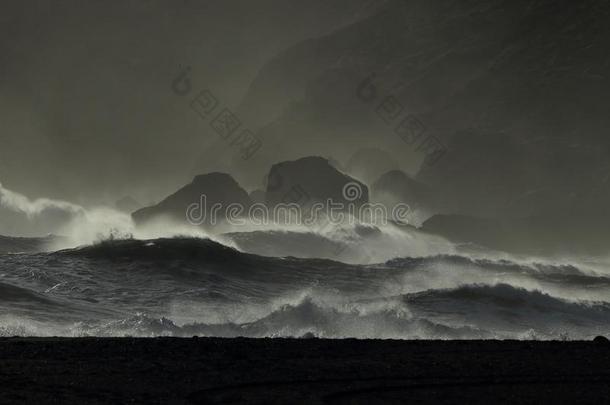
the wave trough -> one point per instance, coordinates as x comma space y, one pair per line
190, 286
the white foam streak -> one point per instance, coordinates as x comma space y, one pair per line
33, 208
79, 226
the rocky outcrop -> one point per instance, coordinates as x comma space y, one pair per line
313, 179
197, 200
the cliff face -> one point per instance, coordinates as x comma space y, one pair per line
515, 90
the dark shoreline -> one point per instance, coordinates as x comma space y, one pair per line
212, 370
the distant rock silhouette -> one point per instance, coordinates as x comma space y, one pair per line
601, 340
216, 189
397, 187
313, 179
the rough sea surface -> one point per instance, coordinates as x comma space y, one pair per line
190, 286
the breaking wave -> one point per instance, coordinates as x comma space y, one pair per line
191, 286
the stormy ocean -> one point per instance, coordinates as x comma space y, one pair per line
187, 286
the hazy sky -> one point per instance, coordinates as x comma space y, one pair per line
86, 109
516, 89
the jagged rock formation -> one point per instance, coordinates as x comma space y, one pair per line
202, 194
313, 179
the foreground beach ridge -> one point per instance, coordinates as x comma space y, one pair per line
215, 370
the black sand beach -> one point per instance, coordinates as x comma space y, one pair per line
210, 370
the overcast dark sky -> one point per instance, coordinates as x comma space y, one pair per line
86, 109
517, 90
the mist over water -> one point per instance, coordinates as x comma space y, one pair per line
125, 280
79, 226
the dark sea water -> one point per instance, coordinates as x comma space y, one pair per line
190, 286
